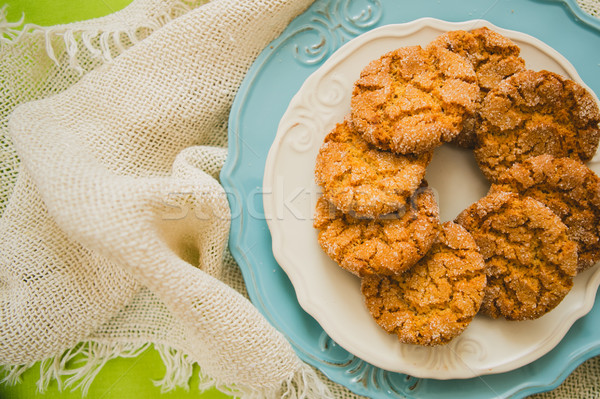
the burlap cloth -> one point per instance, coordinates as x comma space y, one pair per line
113, 221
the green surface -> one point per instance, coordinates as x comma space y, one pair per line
48, 13
120, 378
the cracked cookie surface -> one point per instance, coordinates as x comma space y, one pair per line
533, 113
386, 245
570, 189
411, 100
493, 57
362, 180
436, 299
530, 260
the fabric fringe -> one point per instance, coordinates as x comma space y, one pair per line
9, 31
100, 43
75, 368
12, 374
78, 367
306, 384
179, 369
303, 384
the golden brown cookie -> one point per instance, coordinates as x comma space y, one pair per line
362, 180
436, 299
534, 113
493, 56
530, 260
384, 246
411, 100
570, 189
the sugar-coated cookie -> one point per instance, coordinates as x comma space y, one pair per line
437, 298
386, 245
570, 189
411, 100
533, 113
493, 56
530, 259
362, 180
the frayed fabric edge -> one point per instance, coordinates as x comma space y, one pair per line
78, 367
100, 37
75, 368
304, 383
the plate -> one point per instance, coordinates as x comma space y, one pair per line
332, 295
270, 84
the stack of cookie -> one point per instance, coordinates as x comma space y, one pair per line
513, 253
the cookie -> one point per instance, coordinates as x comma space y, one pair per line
412, 99
570, 189
533, 113
437, 298
493, 56
379, 246
362, 180
530, 259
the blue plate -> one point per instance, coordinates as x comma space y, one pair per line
262, 99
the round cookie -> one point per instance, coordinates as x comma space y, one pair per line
533, 113
436, 299
362, 180
411, 100
493, 56
530, 260
379, 246
570, 189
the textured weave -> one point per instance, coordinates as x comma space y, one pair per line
590, 6
113, 221
116, 190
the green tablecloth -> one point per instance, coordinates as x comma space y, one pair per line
120, 378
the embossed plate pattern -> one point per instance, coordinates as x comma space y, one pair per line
302, 48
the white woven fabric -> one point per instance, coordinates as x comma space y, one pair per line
590, 6
113, 221
116, 190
